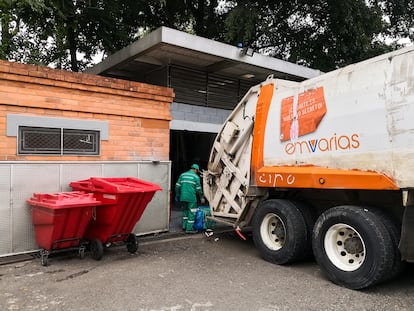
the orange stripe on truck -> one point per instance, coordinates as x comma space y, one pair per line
262, 109
322, 178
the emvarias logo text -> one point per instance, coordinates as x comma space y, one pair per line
333, 143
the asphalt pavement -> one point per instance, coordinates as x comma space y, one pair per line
177, 271
187, 272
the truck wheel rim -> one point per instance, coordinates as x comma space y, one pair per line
344, 247
273, 232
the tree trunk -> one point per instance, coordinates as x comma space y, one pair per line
5, 37
72, 49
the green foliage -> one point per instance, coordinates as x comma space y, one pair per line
323, 34
15, 35
195, 16
346, 33
401, 16
65, 33
242, 24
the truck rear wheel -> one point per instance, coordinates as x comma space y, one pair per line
309, 216
395, 234
279, 232
353, 247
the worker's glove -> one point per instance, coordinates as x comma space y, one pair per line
202, 200
177, 198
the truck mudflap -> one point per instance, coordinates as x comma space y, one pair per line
406, 245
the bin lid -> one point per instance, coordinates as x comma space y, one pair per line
115, 185
63, 199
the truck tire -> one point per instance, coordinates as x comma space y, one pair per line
352, 247
309, 215
394, 229
279, 232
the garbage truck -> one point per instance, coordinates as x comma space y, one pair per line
324, 169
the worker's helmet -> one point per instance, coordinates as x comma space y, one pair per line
195, 166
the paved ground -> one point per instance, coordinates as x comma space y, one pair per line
175, 271
193, 272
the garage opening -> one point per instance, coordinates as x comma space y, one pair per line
186, 148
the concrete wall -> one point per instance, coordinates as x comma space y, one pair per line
197, 118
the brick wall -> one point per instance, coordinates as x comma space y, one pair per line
138, 114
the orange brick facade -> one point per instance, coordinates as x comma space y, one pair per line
138, 114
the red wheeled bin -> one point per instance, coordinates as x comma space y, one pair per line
123, 203
60, 220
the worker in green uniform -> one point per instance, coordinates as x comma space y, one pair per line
187, 189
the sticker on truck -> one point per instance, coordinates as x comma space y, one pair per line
301, 113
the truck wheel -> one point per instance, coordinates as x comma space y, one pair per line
97, 249
279, 231
395, 234
352, 246
309, 216
132, 243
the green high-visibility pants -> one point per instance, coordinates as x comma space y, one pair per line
189, 211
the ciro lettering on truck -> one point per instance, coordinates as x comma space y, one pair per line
270, 179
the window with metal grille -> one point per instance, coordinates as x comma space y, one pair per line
207, 89
44, 140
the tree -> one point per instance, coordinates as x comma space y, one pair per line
66, 33
323, 34
207, 20
199, 17
243, 25
16, 37
347, 33
401, 18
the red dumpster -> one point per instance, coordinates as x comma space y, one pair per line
123, 203
60, 219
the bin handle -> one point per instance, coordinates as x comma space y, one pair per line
82, 185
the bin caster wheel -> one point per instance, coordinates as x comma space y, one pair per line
96, 249
132, 243
81, 252
44, 258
